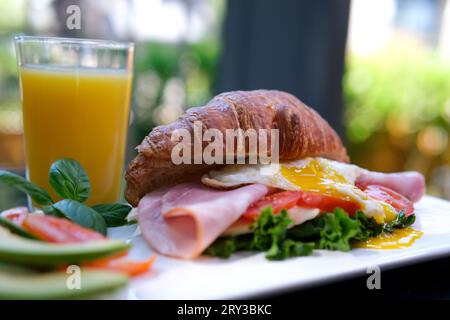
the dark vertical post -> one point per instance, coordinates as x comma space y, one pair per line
292, 45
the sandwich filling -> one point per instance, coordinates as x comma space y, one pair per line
185, 220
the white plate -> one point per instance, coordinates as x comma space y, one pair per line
246, 275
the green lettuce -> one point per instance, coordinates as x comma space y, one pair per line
330, 231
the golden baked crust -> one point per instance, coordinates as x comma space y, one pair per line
302, 133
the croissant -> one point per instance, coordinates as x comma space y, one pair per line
302, 133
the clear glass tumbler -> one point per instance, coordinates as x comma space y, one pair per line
75, 99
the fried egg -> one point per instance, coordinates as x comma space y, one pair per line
316, 175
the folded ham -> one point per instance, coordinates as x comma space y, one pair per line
410, 184
184, 220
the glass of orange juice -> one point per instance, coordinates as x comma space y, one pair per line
75, 99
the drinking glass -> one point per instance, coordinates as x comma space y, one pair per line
75, 96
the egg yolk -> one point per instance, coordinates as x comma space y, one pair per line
399, 239
321, 178
314, 177
389, 212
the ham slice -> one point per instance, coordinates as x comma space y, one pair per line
184, 220
409, 184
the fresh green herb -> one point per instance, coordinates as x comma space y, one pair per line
51, 211
39, 195
331, 231
400, 222
115, 214
69, 180
370, 228
81, 214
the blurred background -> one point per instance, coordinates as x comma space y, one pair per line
377, 70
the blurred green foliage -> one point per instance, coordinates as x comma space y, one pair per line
397, 112
192, 65
12, 15
412, 86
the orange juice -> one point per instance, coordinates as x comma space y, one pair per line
80, 114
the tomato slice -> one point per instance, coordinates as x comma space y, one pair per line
130, 267
58, 230
289, 199
395, 199
327, 203
278, 201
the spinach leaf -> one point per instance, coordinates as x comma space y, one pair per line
369, 227
39, 195
115, 214
81, 214
401, 221
69, 180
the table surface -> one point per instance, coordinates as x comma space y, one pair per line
426, 280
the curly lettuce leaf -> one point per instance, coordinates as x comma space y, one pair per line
269, 235
330, 231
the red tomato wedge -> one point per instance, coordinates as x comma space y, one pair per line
395, 199
58, 230
289, 199
130, 267
327, 203
278, 201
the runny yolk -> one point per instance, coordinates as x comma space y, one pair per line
399, 239
314, 177
320, 178
389, 213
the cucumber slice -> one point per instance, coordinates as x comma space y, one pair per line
54, 285
18, 250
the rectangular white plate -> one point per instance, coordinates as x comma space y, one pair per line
247, 275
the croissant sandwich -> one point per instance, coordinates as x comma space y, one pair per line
202, 185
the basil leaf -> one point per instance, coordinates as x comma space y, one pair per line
52, 211
39, 195
69, 180
115, 214
14, 228
81, 214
